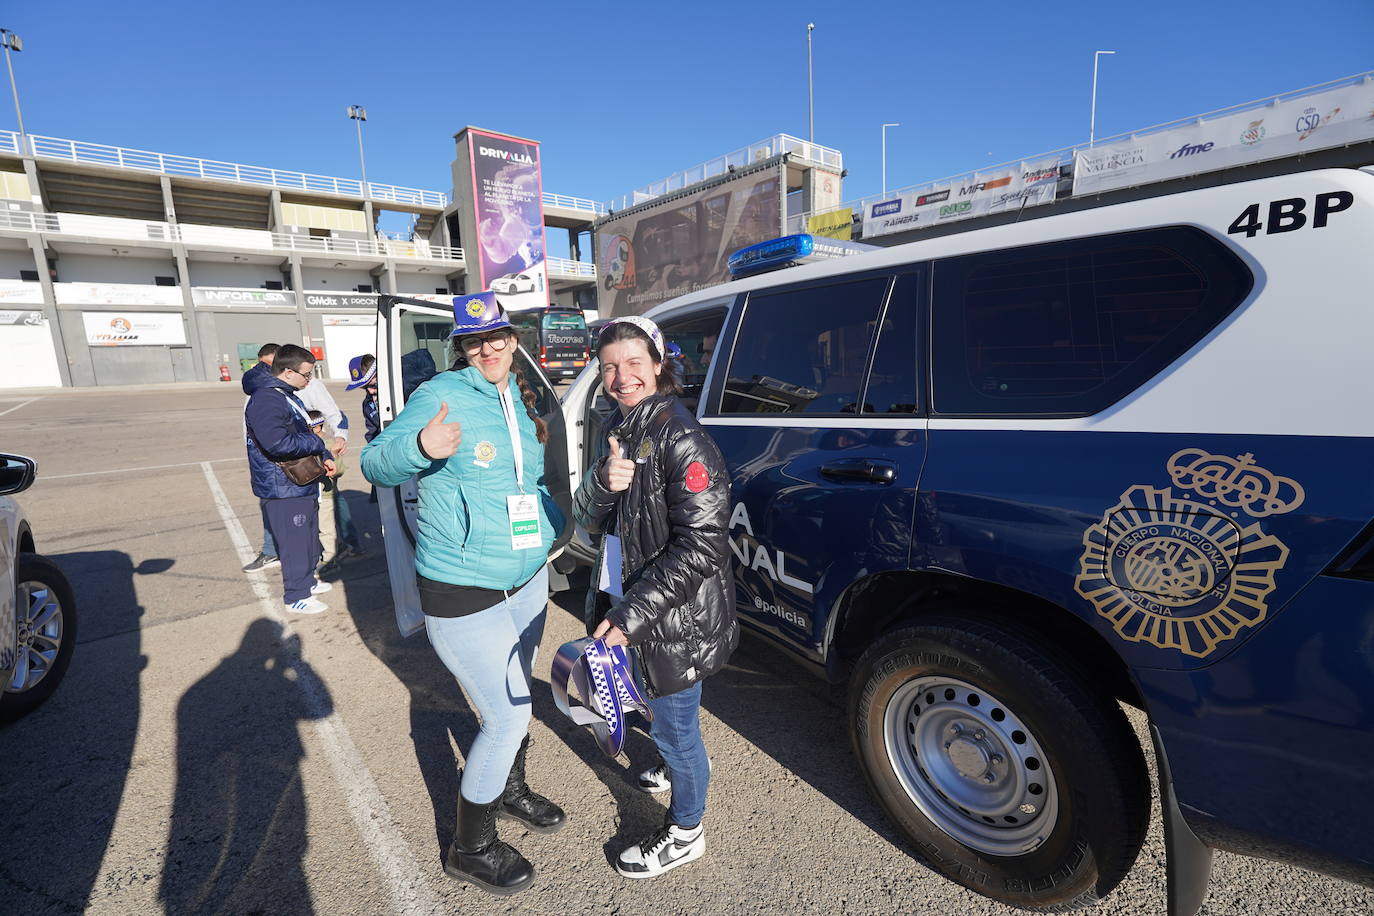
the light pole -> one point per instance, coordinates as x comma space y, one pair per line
810, 92
1092, 120
13, 42
885, 127
359, 114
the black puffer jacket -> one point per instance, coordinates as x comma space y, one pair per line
673, 522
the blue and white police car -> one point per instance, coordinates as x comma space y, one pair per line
1003, 481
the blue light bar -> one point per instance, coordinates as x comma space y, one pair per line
771, 254
801, 248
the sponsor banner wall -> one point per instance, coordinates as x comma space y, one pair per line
116, 294
133, 329
20, 292
263, 298
347, 336
508, 205
1332, 118
323, 300
1026, 184
836, 224
683, 245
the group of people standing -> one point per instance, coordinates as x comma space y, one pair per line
289, 415
659, 501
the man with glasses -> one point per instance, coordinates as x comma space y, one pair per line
278, 429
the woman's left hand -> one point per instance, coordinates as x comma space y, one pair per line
611, 633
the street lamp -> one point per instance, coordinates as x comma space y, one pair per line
359, 114
810, 93
13, 42
885, 127
1092, 121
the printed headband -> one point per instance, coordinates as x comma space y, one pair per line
602, 676
648, 327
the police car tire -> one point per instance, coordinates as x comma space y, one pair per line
34, 568
1101, 779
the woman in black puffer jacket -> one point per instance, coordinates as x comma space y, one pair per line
663, 494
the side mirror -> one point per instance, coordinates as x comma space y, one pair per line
16, 474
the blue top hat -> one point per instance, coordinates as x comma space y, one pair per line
477, 313
357, 377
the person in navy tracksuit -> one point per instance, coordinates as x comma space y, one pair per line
362, 373
278, 429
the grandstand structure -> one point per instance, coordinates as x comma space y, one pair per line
198, 262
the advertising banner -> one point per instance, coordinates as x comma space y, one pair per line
116, 294
659, 252
836, 224
20, 292
1012, 187
26, 341
133, 329
265, 298
508, 206
1331, 118
320, 300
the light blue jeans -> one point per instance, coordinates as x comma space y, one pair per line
491, 653
676, 730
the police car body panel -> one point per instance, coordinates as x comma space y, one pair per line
1183, 528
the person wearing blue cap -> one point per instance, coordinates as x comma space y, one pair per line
486, 523
362, 373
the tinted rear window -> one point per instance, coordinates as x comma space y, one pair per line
1069, 328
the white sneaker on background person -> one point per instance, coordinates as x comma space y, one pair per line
307, 606
319, 588
657, 780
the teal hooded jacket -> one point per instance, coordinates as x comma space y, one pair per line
464, 535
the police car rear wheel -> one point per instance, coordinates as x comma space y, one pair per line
1009, 773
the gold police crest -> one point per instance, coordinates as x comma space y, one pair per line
475, 307
1187, 566
485, 451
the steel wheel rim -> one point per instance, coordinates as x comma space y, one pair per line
40, 633
971, 766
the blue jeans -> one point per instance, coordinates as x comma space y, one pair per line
269, 543
343, 522
491, 654
676, 730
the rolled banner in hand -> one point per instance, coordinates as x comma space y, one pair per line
607, 688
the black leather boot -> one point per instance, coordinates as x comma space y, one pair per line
478, 857
529, 808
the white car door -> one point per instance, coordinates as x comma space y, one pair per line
412, 344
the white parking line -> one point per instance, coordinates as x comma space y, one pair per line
406, 887
146, 467
17, 406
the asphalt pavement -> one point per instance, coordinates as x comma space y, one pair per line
207, 754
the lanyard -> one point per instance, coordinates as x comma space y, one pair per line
512, 426
296, 407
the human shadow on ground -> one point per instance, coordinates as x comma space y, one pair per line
66, 764
238, 827
793, 717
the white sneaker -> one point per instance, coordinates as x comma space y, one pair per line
319, 588
656, 780
307, 606
668, 847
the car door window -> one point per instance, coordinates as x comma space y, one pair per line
696, 337
893, 379
804, 350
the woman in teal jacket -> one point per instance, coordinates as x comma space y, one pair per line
486, 524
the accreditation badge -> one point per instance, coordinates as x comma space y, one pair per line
523, 511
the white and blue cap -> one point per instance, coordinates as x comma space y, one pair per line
477, 313
358, 377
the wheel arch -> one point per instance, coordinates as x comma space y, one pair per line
24, 543
885, 601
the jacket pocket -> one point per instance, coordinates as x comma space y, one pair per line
463, 517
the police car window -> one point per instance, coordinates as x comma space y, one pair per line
696, 339
1068, 328
893, 379
803, 350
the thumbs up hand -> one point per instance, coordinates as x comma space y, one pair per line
440, 439
618, 470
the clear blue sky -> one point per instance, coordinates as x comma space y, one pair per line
621, 94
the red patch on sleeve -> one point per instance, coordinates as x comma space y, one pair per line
697, 479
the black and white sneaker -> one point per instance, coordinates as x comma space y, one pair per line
261, 561
655, 781
668, 847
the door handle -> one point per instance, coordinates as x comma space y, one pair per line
861, 470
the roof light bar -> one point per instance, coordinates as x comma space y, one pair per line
801, 248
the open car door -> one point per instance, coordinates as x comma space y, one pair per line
412, 347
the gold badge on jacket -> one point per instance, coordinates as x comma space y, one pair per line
483, 454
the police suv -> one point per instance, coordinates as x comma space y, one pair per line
1001, 481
